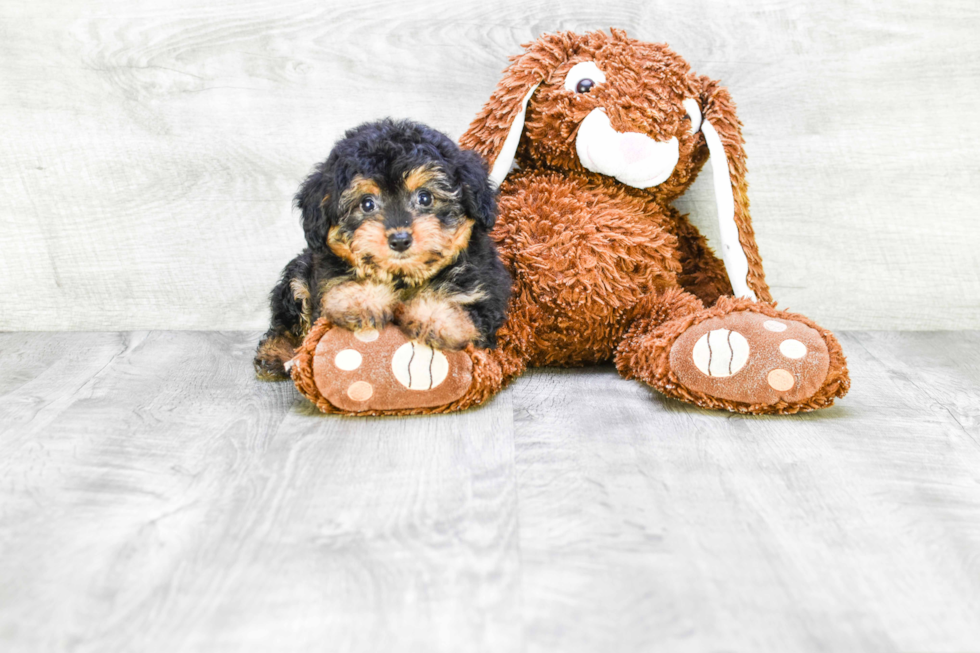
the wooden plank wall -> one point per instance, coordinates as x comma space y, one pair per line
150, 149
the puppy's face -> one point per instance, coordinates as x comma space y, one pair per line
397, 201
406, 225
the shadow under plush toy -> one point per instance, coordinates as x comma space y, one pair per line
591, 137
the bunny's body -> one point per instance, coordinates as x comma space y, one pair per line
583, 258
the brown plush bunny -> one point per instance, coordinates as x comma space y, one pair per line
591, 137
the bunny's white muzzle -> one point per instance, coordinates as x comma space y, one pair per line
633, 158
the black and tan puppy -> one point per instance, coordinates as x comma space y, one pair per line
396, 223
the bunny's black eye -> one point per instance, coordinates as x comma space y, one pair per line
583, 77
425, 198
687, 116
368, 205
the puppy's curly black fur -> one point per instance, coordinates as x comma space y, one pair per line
396, 222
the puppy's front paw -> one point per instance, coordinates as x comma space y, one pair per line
436, 322
356, 306
359, 320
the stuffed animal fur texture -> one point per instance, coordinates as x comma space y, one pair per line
591, 137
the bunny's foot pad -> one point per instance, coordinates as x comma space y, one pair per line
371, 371
751, 358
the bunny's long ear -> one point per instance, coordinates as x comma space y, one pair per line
496, 130
723, 135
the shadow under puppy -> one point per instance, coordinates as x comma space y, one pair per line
396, 223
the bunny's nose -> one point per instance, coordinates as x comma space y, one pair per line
400, 241
636, 147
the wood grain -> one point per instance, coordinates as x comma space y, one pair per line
153, 490
155, 497
648, 524
151, 149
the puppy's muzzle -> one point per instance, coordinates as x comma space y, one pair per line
400, 241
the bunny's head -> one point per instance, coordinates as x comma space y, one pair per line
631, 111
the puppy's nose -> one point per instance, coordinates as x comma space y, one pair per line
400, 241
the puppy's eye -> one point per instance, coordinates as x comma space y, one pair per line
425, 198
368, 205
583, 77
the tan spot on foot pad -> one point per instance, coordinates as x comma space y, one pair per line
751, 358
780, 380
372, 370
360, 391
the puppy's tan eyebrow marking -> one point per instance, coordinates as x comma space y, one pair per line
364, 185
358, 186
432, 178
418, 177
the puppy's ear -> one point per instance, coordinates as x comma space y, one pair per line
479, 195
317, 206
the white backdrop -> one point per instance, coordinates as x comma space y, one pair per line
150, 149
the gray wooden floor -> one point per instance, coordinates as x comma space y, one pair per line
154, 497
